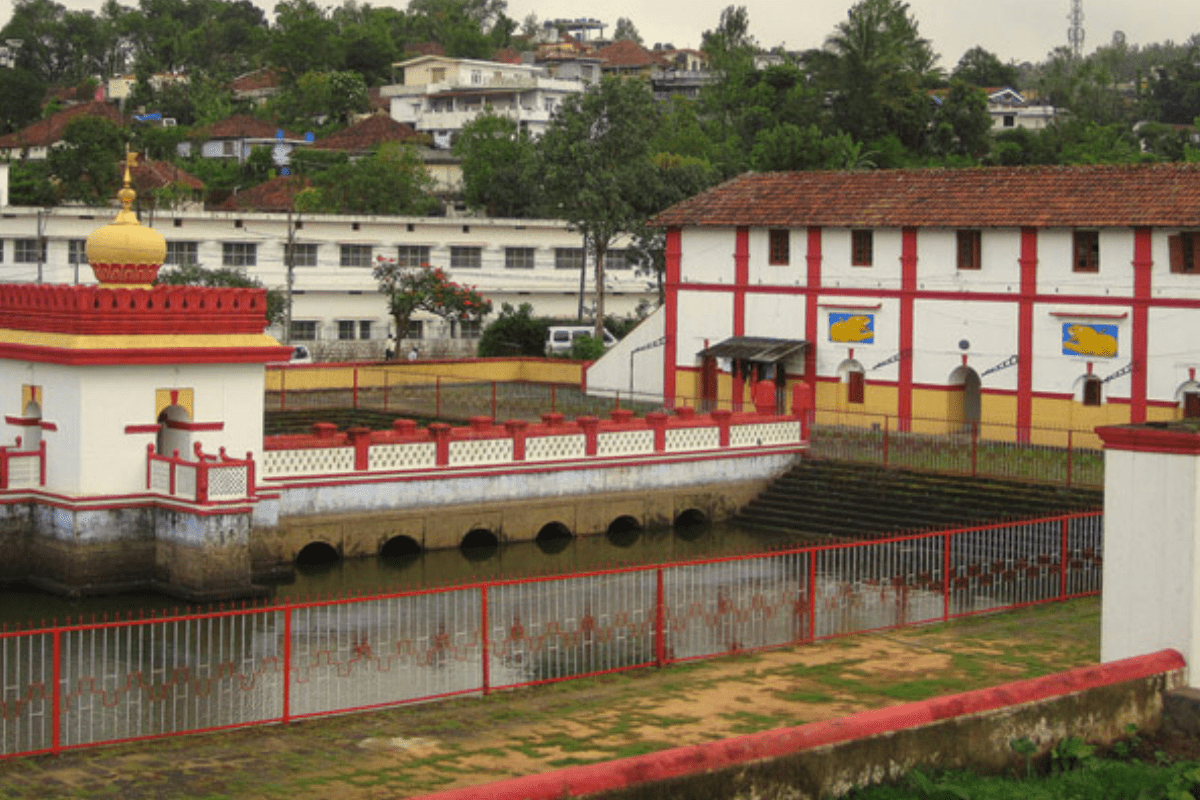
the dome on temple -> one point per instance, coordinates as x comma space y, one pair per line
125, 252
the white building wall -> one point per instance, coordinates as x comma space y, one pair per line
1151, 596
328, 291
939, 326
937, 262
89, 452
708, 256
634, 365
704, 318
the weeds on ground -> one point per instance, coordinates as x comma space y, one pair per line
1073, 769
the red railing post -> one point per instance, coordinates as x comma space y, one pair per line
250, 486
591, 434
201, 481
723, 419
493, 402
886, 439
974, 449
3, 467
282, 389
516, 429
437, 397
56, 695
483, 635
1062, 559
385, 391
171, 481
440, 433
553, 397
660, 646
946, 576
1070, 456
287, 664
812, 594
42, 472
355, 387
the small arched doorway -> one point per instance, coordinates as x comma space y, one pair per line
1188, 398
31, 433
172, 437
853, 377
964, 406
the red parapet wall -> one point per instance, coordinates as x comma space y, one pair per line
1159, 670
98, 310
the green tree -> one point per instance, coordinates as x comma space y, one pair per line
304, 39
962, 124
1175, 89
30, 184
333, 96
515, 332
878, 69
499, 167
425, 288
86, 163
464, 28
196, 275
392, 181
21, 93
598, 168
983, 68
625, 29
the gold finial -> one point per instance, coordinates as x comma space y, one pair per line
127, 195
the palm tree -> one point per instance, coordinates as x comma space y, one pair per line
875, 62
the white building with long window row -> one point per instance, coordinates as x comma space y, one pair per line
337, 309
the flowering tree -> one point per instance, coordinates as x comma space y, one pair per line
426, 288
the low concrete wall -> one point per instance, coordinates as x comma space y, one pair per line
364, 534
972, 729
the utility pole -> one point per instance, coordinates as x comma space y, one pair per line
41, 241
289, 261
1075, 32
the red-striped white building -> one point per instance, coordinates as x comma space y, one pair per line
1047, 297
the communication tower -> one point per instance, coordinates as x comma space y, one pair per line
1075, 32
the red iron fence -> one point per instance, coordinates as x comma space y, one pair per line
80, 685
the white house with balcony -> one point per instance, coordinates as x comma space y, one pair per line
440, 95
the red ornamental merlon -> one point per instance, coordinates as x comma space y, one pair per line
679, 762
99, 310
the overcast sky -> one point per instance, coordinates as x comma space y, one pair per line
1020, 30
1015, 30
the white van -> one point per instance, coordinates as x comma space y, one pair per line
560, 337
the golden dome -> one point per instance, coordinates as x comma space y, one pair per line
125, 252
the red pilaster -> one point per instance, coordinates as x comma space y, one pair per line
741, 279
516, 429
908, 289
811, 300
1028, 265
1139, 344
673, 267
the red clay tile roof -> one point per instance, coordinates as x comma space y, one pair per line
46, 132
242, 126
1084, 196
149, 175
507, 55
368, 132
265, 78
626, 53
276, 194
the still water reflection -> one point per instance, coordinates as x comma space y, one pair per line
439, 568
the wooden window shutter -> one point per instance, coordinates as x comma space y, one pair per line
1175, 247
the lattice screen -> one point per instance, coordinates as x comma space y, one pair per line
692, 439
317, 461
414, 455
555, 448
227, 481
481, 451
625, 443
765, 434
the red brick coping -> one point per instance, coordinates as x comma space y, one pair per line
695, 759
